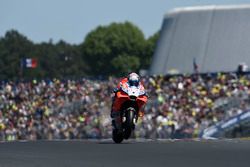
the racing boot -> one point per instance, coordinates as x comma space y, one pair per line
140, 113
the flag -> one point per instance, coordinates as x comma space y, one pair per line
29, 63
195, 66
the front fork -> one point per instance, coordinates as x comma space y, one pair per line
134, 119
124, 116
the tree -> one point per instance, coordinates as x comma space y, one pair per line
14, 47
60, 60
124, 64
54, 60
114, 49
70, 63
103, 45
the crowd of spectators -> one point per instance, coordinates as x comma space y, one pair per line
179, 106
53, 109
182, 106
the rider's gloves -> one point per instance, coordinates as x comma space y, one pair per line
115, 90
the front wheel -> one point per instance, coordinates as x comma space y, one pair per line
129, 124
117, 136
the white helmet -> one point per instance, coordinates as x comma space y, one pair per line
133, 79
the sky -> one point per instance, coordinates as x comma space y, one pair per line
72, 20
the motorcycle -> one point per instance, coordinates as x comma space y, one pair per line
133, 100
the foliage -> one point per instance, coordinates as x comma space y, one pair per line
103, 45
114, 49
123, 64
14, 46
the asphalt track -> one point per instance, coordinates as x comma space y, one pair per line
142, 153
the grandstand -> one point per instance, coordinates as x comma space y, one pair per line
180, 106
203, 39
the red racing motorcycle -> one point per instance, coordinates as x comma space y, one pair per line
133, 101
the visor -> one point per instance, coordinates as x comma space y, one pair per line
133, 83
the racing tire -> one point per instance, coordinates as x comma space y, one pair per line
117, 136
129, 124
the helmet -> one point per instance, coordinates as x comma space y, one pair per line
133, 79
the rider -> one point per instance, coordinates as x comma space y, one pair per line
132, 79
